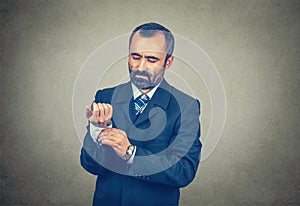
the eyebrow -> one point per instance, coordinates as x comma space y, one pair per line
147, 57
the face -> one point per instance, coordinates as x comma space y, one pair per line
147, 60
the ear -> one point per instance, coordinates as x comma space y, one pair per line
169, 62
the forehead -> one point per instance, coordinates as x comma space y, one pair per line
155, 43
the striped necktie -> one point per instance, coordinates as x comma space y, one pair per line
140, 102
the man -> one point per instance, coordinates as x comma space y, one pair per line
142, 140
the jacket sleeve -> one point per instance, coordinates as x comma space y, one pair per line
98, 159
90, 152
176, 166
89, 157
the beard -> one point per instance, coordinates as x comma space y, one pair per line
144, 80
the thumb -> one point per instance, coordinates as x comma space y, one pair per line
88, 112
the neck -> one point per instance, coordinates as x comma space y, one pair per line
145, 91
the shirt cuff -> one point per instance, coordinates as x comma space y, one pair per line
95, 131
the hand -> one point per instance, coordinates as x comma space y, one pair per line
115, 138
100, 115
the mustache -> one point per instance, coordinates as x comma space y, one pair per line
141, 73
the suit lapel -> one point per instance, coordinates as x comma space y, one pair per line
123, 107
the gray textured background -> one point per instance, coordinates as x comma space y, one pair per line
254, 45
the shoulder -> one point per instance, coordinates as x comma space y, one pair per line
181, 97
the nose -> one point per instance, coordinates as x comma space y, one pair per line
142, 64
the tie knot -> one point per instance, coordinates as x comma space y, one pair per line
140, 103
144, 98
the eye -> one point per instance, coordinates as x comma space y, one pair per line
152, 60
135, 57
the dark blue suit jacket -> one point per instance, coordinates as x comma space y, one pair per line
166, 135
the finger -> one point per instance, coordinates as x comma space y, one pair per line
117, 131
122, 132
91, 118
110, 143
117, 138
95, 111
106, 112
110, 110
88, 112
107, 131
101, 112
112, 137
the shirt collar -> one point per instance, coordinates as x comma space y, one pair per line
137, 92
